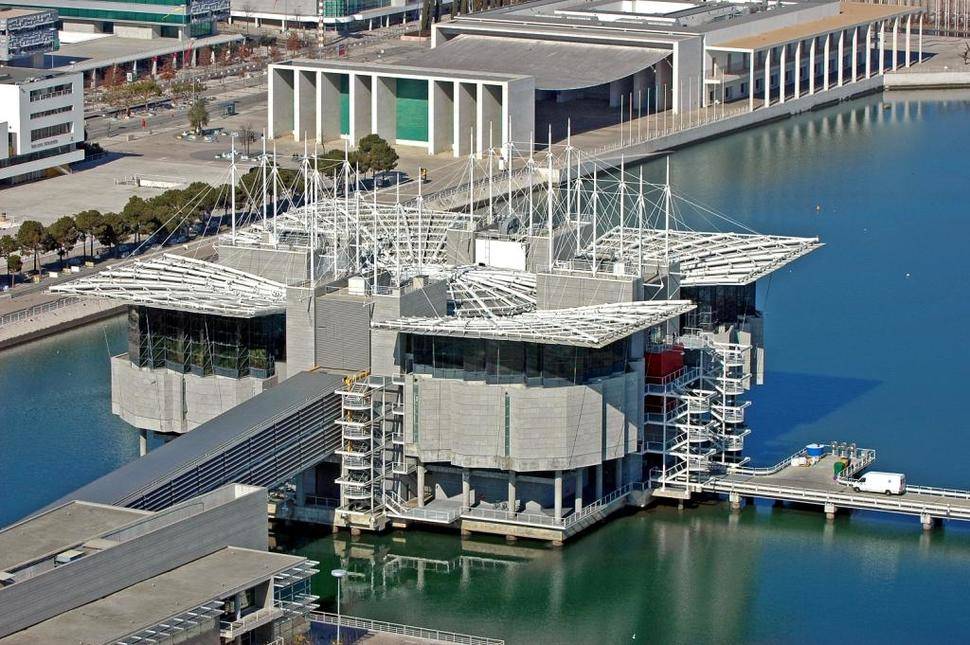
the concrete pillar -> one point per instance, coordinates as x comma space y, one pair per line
513, 507
154, 65
882, 47
488, 119
465, 116
557, 495
895, 43
869, 50
300, 490
811, 65
783, 63
855, 54
735, 501
142, 441
442, 112
616, 93
798, 69
909, 31
840, 73
642, 81
768, 77
328, 106
927, 521
826, 64
579, 489
751, 80
830, 510
360, 106
599, 480
619, 473
195, 57
384, 107
422, 471
466, 488
134, 68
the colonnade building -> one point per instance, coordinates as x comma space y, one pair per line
500, 74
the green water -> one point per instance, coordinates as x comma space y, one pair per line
866, 342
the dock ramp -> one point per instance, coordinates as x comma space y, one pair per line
264, 441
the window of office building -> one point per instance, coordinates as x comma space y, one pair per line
51, 131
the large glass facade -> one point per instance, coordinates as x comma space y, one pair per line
493, 361
727, 303
204, 344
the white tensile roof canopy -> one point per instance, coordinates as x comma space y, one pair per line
183, 284
594, 326
705, 258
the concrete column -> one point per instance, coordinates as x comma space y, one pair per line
488, 117
142, 441
768, 77
895, 43
195, 57
781, 73
579, 489
735, 500
909, 31
840, 78
927, 522
513, 507
798, 69
616, 93
869, 51
557, 495
328, 106
134, 68
465, 117
830, 510
811, 65
360, 106
466, 487
599, 480
882, 47
641, 83
855, 54
826, 64
384, 107
300, 490
619, 473
154, 65
422, 471
441, 108
751, 80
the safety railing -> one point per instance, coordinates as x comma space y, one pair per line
382, 627
36, 310
400, 508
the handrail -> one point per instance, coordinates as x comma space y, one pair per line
34, 310
383, 627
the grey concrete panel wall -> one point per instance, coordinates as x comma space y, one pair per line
466, 112
241, 522
463, 423
688, 73
385, 353
460, 247
360, 106
328, 105
304, 106
281, 90
282, 265
559, 291
164, 400
520, 110
343, 333
384, 108
442, 126
300, 330
489, 116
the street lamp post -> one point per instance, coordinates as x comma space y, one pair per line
339, 574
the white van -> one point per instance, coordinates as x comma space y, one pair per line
876, 482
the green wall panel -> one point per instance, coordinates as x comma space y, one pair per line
412, 109
344, 104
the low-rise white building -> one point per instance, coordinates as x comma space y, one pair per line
41, 122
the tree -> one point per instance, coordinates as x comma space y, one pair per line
133, 215
65, 236
8, 248
87, 223
198, 115
110, 229
14, 265
30, 237
376, 154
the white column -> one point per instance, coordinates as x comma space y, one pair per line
781, 73
855, 54
909, 31
579, 489
895, 43
798, 69
466, 488
811, 65
869, 50
557, 495
599, 480
826, 65
768, 77
751, 80
297, 122
919, 56
421, 473
512, 495
840, 74
882, 46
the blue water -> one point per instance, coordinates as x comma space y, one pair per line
865, 341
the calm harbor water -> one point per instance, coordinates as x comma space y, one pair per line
866, 343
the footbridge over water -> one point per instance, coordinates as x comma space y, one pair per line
264, 441
815, 484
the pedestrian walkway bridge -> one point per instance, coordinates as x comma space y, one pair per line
816, 484
264, 441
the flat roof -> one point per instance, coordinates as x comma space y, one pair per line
408, 67
62, 527
851, 14
16, 12
152, 601
231, 425
22, 74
